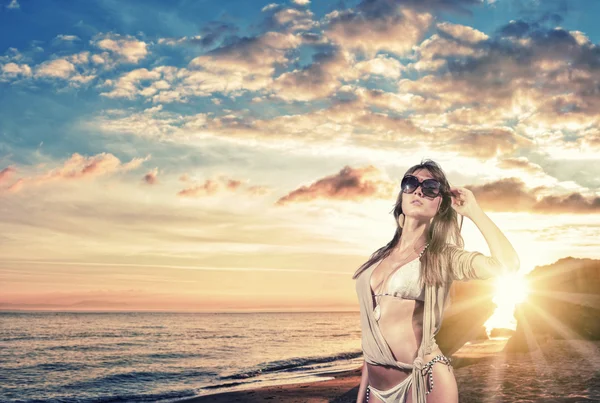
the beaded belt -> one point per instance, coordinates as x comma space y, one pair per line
427, 370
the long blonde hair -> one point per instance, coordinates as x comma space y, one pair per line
444, 229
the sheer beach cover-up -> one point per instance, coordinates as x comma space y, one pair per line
376, 350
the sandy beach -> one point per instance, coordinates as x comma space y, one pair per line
342, 389
560, 371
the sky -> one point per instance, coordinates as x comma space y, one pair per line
236, 155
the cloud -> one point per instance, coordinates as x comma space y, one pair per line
302, 2
151, 177
151, 123
13, 5
380, 65
68, 69
318, 80
384, 25
67, 38
221, 184
574, 203
208, 188
210, 34
435, 6
179, 41
522, 86
214, 31
349, 184
368, 30
538, 78
270, 7
324, 76
291, 19
79, 58
254, 55
126, 49
257, 190
79, 167
58, 68
484, 144
128, 85
12, 55
450, 41
14, 70
512, 195
246, 64
520, 163
352, 119
6, 173
461, 32
509, 194
549, 62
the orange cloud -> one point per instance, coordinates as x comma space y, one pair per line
208, 188
511, 195
572, 203
508, 194
151, 177
221, 183
6, 173
348, 184
78, 167
258, 190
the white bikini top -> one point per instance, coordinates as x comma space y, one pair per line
404, 283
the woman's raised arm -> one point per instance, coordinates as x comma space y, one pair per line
500, 247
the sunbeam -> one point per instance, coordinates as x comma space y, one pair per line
587, 354
510, 290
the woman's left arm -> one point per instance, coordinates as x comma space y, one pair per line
500, 247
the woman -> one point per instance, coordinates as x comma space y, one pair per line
403, 288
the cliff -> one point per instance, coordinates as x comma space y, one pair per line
563, 303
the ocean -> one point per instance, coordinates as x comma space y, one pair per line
164, 356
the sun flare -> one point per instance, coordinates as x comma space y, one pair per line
510, 290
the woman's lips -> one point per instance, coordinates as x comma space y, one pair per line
417, 202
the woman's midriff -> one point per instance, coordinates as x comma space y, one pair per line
401, 325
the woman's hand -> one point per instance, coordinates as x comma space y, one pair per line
463, 201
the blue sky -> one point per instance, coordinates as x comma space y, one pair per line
180, 146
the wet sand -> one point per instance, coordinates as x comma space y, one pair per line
561, 371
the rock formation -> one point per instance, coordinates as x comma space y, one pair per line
563, 303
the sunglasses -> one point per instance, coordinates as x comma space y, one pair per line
430, 187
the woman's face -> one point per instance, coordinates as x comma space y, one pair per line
428, 207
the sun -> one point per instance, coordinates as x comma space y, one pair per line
510, 290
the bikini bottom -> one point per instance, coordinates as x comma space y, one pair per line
399, 393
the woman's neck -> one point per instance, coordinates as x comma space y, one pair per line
411, 240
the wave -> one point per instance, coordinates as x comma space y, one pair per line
138, 377
291, 365
137, 397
